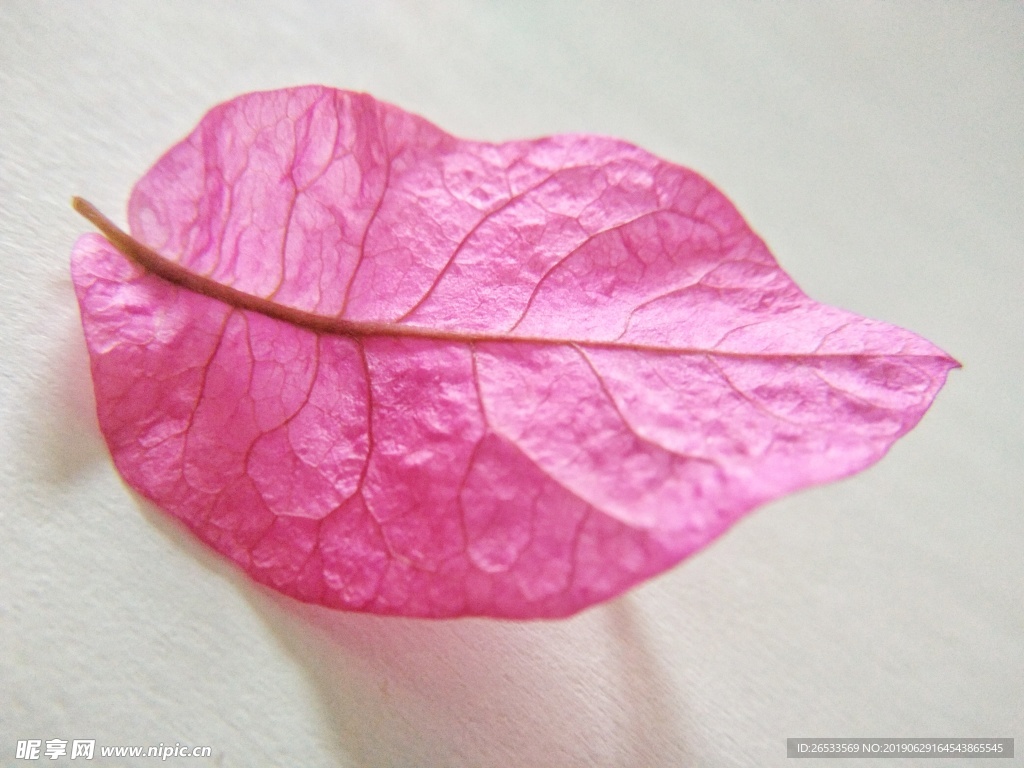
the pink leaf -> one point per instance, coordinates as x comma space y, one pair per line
385, 369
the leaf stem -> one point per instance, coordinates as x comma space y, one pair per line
181, 276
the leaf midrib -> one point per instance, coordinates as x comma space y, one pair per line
175, 273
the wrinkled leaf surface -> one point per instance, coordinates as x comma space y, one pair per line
560, 366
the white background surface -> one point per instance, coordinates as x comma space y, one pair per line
879, 150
